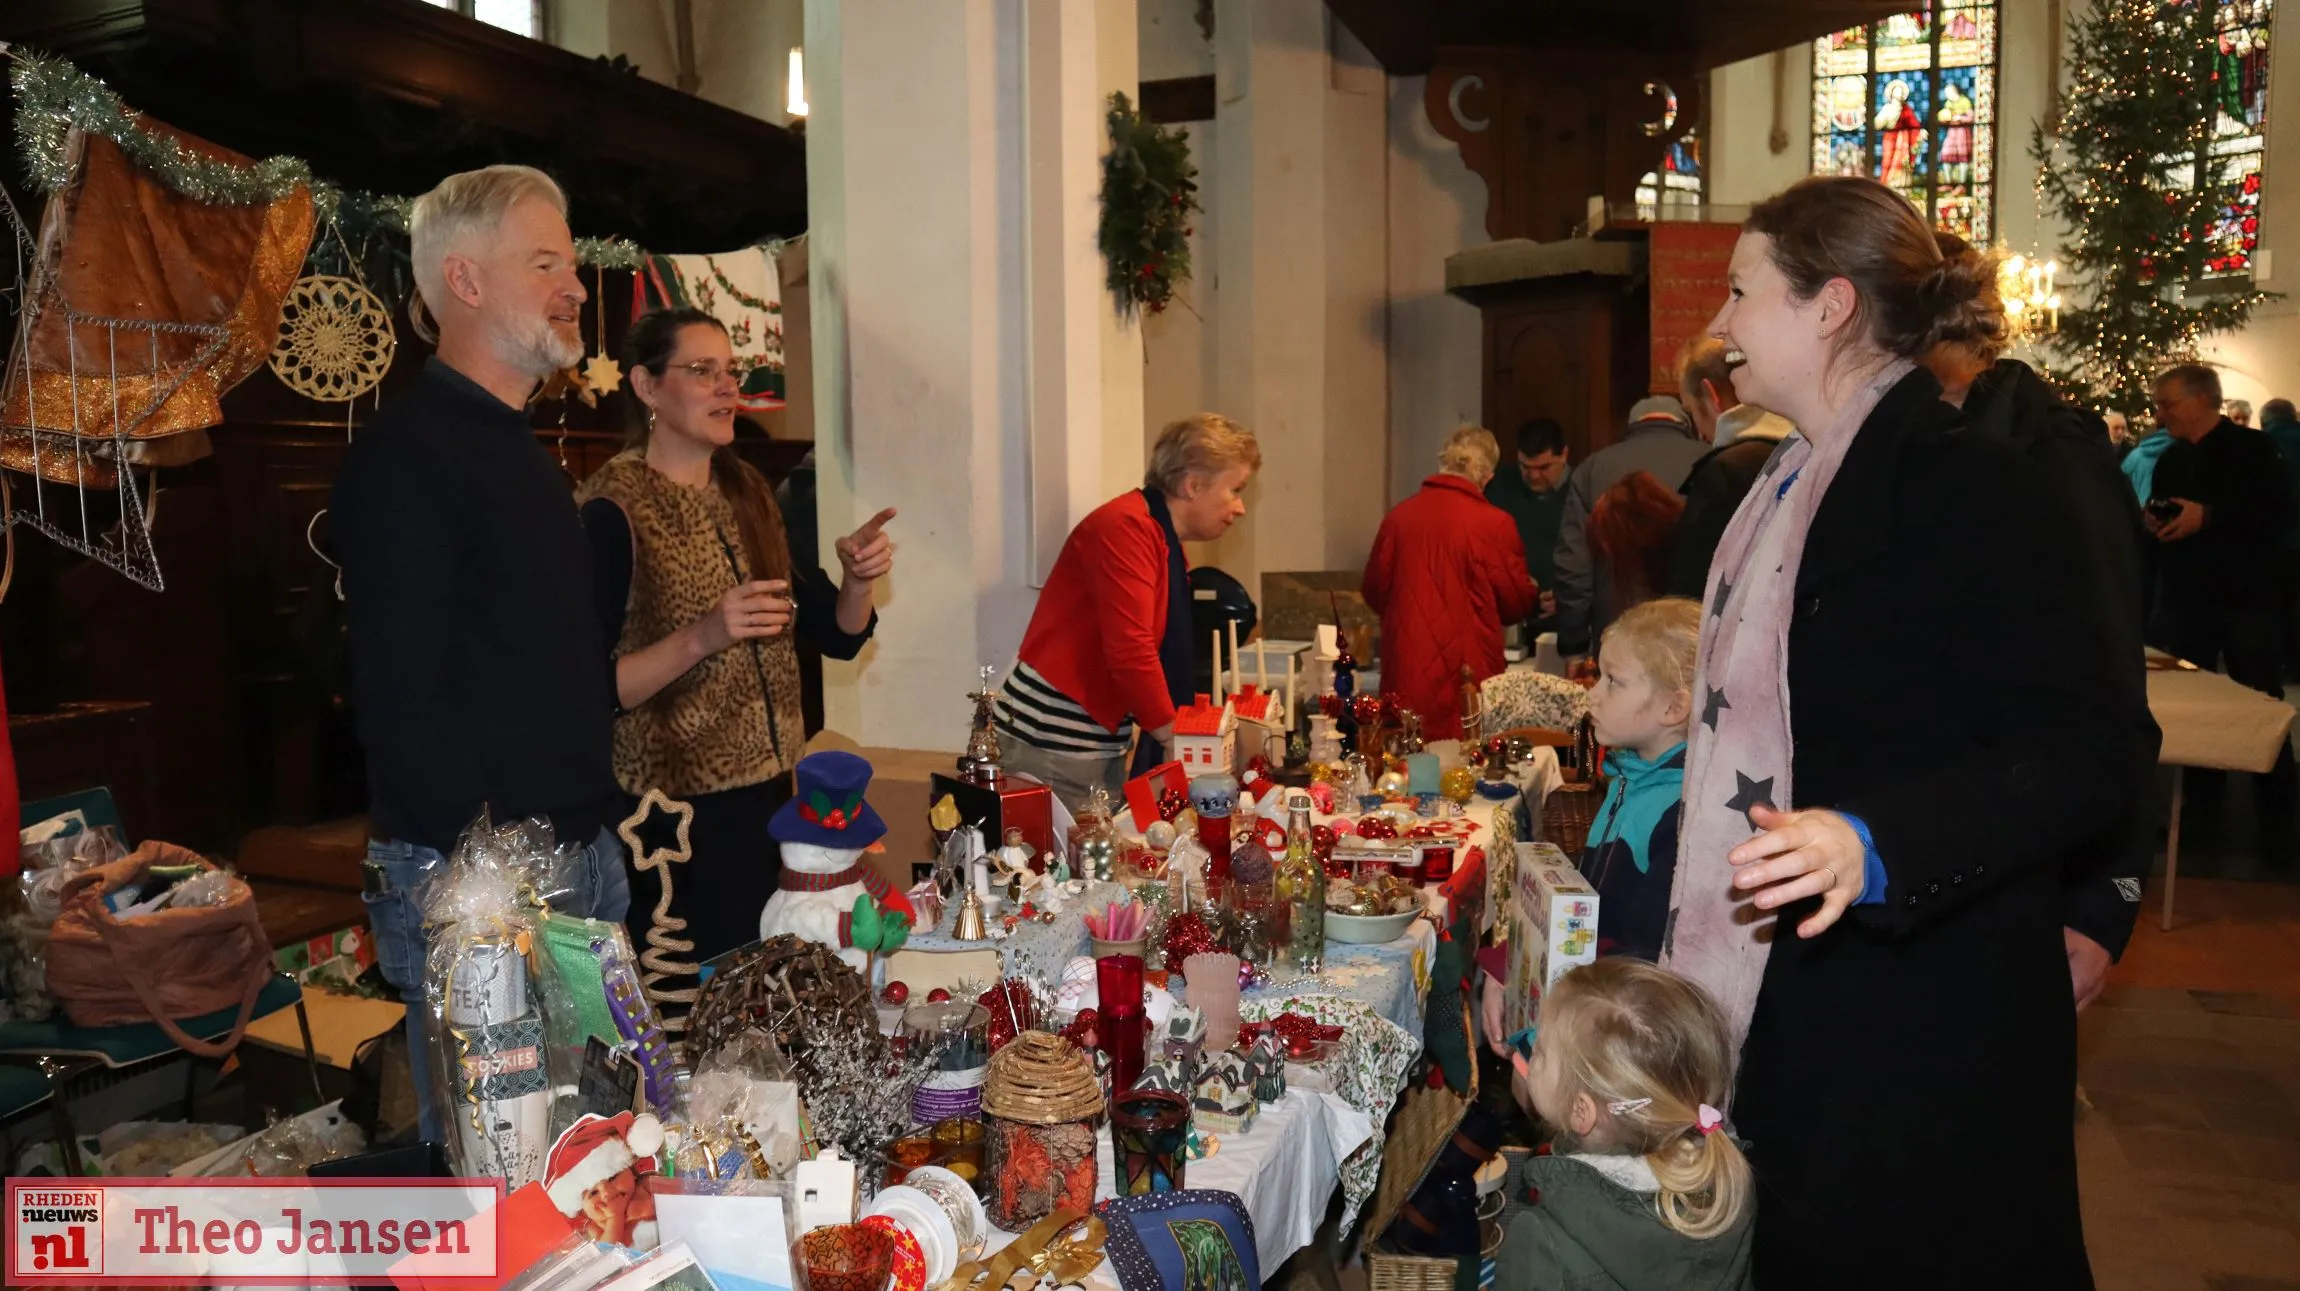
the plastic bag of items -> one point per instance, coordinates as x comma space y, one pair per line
284, 1148
742, 1113
599, 1023
482, 909
53, 851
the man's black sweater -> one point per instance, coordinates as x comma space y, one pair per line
2248, 502
477, 678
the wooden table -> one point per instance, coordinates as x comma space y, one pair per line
2211, 722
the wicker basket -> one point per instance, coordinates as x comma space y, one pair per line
1567, 816
1388, 1271
1424, 1123
1391, 1271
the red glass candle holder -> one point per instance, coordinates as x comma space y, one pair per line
1120, 981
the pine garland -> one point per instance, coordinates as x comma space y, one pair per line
2141, 97
53, 98
1149, 189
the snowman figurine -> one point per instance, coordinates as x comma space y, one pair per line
824, 830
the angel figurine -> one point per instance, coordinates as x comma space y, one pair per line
1015, 873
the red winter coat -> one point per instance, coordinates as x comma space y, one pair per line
1446, 572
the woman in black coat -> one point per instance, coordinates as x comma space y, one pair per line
1899, 742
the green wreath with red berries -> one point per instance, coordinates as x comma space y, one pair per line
1149, 192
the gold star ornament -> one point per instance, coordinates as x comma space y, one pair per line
602, 374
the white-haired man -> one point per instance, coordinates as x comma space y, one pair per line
479, 681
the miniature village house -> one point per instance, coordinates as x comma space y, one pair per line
1203, 734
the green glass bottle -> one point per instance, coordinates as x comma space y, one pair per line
1302, 883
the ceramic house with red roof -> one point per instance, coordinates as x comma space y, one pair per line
1261, 726
1203, 737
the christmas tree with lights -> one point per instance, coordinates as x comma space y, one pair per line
2121, 174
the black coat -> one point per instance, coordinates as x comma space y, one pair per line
1713, 492
2238, 475
2094, 501
1908, 1084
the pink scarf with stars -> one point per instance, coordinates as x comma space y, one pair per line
1738, 753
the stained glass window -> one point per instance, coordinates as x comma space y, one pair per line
1911, 101
1675, 190
2237, 102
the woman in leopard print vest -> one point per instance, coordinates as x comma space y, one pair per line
698, 603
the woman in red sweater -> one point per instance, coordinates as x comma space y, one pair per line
1447, 570
1108, 648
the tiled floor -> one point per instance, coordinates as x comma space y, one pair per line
2190, 1153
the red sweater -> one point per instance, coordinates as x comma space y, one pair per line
1446, 572
1102, 614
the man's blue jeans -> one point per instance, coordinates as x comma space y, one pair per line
602, 891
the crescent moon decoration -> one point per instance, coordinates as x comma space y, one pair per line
1668, 97
1453, 103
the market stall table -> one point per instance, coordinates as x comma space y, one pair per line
2209, 722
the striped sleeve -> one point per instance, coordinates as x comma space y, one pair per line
1032, 710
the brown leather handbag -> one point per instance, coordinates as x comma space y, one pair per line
169, 964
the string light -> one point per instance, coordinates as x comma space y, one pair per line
2139, 108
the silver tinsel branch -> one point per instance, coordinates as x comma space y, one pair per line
858, 1087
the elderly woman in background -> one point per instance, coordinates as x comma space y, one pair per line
1108, 648
1447, 571
1869, 879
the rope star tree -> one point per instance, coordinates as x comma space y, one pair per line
2121, 174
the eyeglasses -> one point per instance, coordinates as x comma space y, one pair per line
706, 371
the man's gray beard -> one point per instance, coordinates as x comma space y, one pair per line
536, 348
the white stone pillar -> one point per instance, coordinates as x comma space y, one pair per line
1269, 169
967, 372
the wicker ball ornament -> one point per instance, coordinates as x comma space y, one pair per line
335, 339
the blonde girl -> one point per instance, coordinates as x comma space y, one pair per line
1643, 1186
1641, 707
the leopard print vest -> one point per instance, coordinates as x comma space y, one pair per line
733, 719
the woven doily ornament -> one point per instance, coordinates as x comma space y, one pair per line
335, 340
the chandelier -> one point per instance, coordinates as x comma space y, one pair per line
2032, 307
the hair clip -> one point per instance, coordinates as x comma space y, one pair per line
1624, 1106
1709, 1119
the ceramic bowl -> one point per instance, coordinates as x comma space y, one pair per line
1367, 930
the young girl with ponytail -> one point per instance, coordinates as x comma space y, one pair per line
1643, 1186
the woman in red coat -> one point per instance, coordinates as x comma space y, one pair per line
1108, 650
1446, 572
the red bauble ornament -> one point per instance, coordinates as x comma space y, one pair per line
1085, 1029
937, 995
1171, 804
1377, 827
895, 992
